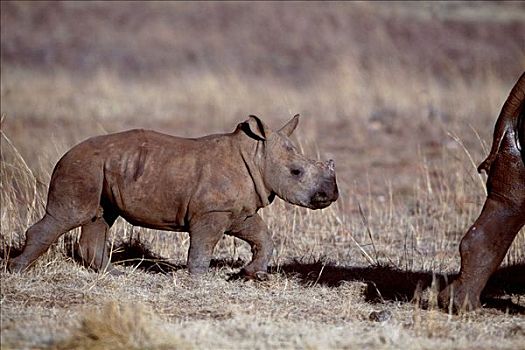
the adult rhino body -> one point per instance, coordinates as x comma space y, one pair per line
485, 244
206, 186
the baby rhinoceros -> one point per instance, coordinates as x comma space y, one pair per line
206, 186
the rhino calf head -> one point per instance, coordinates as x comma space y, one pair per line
289, 174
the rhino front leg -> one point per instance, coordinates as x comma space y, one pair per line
482, 249
255, 232
205, 232
93, 245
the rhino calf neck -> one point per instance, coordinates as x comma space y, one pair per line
486, 242
206, 186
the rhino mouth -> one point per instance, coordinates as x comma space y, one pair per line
320, 204
323, 199
313, 203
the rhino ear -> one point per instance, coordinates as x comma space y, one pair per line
255, 128
289, 127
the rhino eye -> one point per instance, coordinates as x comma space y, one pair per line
297, 172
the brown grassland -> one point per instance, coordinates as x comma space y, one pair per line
403, 96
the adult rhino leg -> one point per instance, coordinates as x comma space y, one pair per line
482, 249
255, 232
93, 245
205, 232
39, 238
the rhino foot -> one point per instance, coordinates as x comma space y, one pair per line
458, 298
114, 272
261, 276
249, 276
16, 266
197, 270
257, 275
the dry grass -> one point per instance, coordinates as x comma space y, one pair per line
405, 117
125, 326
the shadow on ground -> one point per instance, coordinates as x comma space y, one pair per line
134, 253
384, 283
389, 283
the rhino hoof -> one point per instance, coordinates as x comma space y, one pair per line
380, 316
115, 272
456, 299
14, 266
261, 276
198, 270
250, 276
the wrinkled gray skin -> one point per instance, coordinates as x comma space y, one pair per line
207, 186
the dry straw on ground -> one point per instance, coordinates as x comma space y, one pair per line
403, 98
121, 327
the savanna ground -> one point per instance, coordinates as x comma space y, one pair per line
403, 96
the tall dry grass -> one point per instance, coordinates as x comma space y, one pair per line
404, 99
415, 188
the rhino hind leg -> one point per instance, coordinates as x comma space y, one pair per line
256, 234
93, 245
73, 200
482, 250
38, 239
